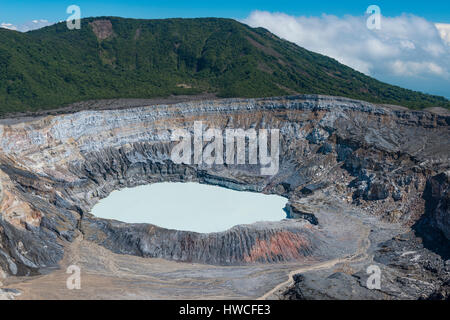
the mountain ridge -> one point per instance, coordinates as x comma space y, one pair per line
112, 57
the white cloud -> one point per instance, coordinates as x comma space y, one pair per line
406, 47
444, 31
411, 68
27, 26
8, 26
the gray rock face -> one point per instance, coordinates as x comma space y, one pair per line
434, 225
438, 194
329, 287
54, 169
408, 272
241, 244
296, 211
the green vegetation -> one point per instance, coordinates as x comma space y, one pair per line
54, 66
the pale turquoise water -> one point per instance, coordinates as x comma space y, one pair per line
190, 206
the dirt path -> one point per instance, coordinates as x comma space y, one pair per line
359, 255
107, 275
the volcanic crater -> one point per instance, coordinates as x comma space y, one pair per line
358, 177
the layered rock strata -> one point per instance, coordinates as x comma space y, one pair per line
54, 169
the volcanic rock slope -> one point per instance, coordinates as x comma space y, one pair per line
389, 164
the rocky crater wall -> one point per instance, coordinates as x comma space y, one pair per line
54, 169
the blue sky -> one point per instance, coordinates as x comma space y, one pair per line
410, 50
20, 11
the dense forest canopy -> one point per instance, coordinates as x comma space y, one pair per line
112, 57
